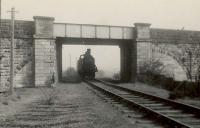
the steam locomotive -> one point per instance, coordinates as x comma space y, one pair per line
86, 66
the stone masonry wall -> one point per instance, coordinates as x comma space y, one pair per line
45, 61
142, 31
143, 54
23, 55
178, 50
173, 67
44, 52
23, 29
183, 47
179, 54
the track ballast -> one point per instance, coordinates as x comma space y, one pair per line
169, 113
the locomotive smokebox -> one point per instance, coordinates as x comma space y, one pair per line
86, 65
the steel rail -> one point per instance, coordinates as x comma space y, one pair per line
185, 107
153, 114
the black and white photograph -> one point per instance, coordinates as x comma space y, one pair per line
99, 64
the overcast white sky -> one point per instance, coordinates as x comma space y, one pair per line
173, 14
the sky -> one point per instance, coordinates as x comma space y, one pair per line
174, 14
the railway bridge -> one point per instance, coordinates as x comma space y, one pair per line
38, 49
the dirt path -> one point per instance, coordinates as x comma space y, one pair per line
74, 107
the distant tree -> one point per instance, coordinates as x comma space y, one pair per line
116, 76
71, 75
100, 73
70, 72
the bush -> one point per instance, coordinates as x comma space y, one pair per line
152, 66
50, 100
71, 75
151, 73
50, 96
70, 72
100, 73
116, 76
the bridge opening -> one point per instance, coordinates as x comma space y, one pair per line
119, 61
107, 60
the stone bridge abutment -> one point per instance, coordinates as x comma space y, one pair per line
45, 64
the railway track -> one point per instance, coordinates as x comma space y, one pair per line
167, 112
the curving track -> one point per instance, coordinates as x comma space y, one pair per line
170, 113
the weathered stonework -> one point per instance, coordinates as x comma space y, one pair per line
5, 64
23, 29
143, 44
43, 26
45, 61
23, 62
178, 45
44, 51
173, 68
23, 54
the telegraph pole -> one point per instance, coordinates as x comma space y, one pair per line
12, 50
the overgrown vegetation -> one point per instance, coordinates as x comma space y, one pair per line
149, 70
50, 96
100, 73
116, 76
152, 73
50, 92
71, 75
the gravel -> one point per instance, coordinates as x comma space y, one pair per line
72, 106
160, 92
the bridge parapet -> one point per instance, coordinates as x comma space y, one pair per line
23, 29
92, 31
